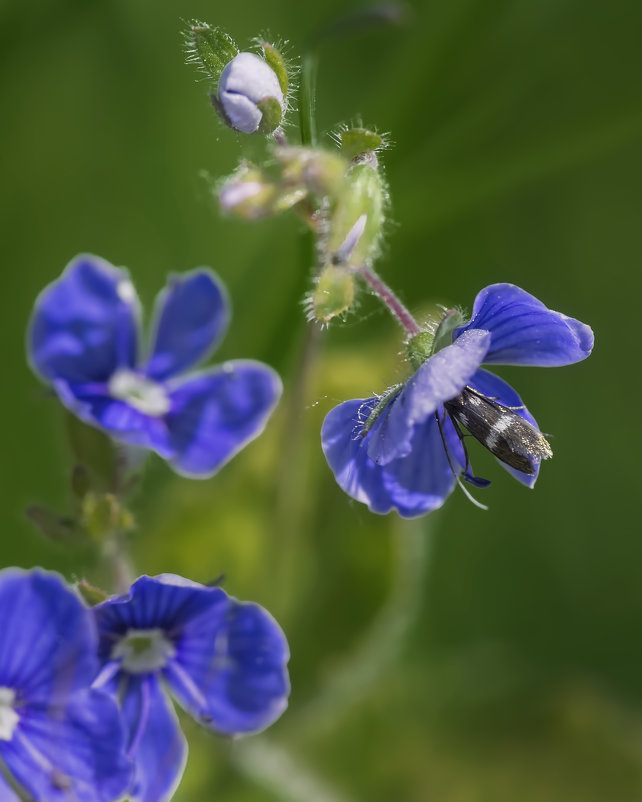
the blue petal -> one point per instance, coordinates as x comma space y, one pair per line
166, 602
524, 331
70, 753
93, 405
48, 641
413, 485
439, 379
84, 324
493, 387
156, 743
230, 668
191, 315
215, 414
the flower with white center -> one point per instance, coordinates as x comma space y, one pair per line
60, 741
406, 450
84, 340
223, 661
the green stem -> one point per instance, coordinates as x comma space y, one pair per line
116, 555
307, 99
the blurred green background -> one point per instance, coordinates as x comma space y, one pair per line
465, 657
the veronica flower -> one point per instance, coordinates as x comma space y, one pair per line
223, 661
84, 340
59, 740
406, 450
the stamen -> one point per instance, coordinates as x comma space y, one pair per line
141, 393
8, 717
143, 651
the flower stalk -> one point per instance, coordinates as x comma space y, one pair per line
390, 301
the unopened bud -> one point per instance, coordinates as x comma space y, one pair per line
356, 222
250, 97
250, 194
320, 171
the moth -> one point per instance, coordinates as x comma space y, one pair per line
500, 429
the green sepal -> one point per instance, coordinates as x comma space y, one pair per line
320, 171
333, 294
90, 593
53, 526
419, 348
382, 403
355, 141
363, 192
102, 514
272, 114
451, 320
277, 62
211, 49
93, 450
80, 481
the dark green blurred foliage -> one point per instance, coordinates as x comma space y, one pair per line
510, 667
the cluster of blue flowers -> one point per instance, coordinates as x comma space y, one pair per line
84, 707
86, 694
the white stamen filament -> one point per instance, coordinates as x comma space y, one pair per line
8, 716
143, 651
138, 391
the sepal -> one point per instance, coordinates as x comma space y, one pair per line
333, 294
209, 48
356, 222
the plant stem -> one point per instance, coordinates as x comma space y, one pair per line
117, 556
390, 300
307, 99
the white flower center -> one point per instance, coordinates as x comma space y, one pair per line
8, 716
143, 650
138, 391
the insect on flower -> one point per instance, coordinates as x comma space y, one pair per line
406, 450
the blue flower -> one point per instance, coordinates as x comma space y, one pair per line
223, 661
60, 741
406, 451
84, 340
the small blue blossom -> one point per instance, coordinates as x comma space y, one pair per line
407, 452
222, 660
84, 340
60, 741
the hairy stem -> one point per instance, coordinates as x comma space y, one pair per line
390, 300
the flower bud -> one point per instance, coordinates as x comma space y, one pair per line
356, 222
250, 194
250, 97
246, 194
320, 171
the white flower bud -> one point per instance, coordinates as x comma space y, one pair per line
245, 82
